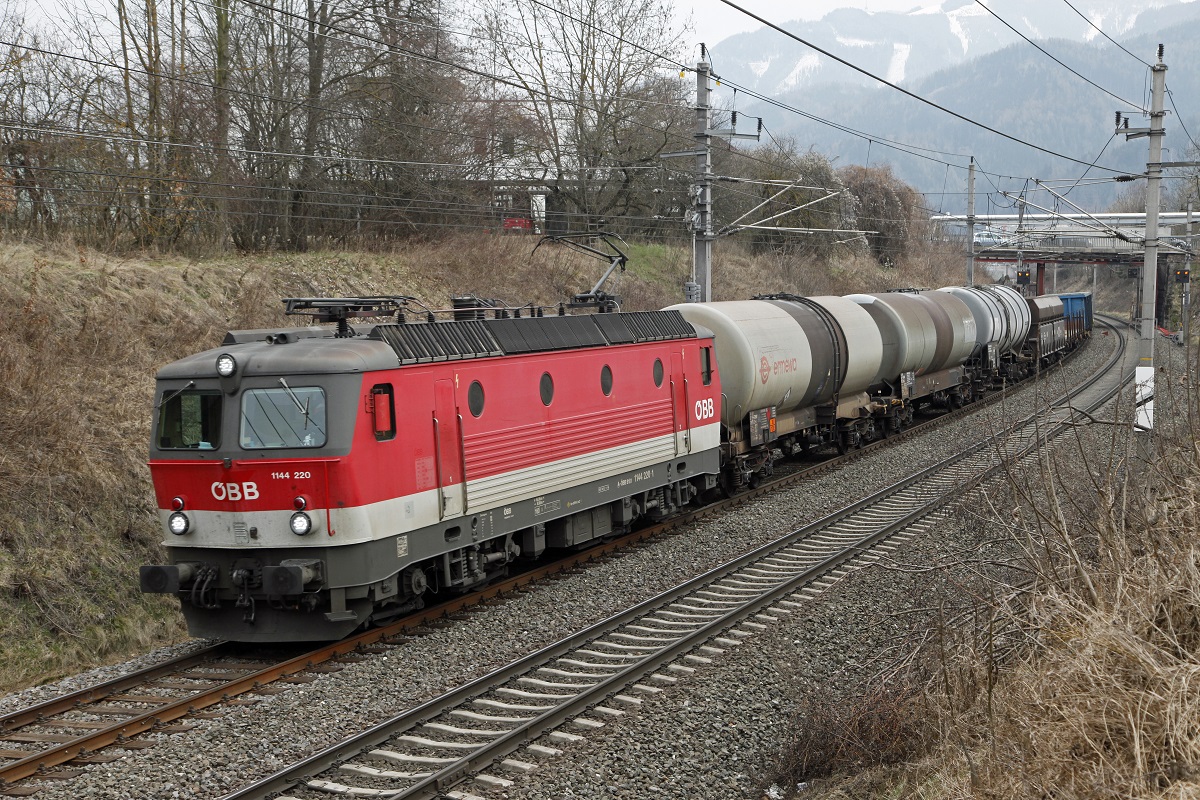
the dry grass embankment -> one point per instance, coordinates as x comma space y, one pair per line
1081, 679
84, 336
86, 332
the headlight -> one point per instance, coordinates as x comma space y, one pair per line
226, 365
178, 523
301, 524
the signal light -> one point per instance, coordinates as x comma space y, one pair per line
178, 523
301, 524
177, 504
226, 365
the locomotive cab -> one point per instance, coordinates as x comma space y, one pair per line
247, 444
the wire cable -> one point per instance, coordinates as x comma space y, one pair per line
911, 94
1105, 35
1043, 51
1178, 116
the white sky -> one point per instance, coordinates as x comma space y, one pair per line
714, 21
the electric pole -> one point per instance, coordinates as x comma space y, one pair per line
702, 233
699, 289
971, 223
1020, 233
1187, 282
1144, 372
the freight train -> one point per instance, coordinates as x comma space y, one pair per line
313, 480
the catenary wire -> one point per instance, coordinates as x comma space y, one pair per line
1043, 51
911, 94
1105, 35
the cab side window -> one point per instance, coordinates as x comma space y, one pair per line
190, 420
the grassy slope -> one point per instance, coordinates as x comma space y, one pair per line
86, 333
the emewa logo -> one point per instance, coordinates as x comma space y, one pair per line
764, 369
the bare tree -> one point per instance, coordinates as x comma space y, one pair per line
595, 76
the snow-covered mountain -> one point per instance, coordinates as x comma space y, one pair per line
903, 47
960, 57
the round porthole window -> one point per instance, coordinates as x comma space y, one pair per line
606, 380
658, 372
547, 388
475, 398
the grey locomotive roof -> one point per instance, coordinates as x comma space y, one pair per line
385, 346
306, 355
446, 341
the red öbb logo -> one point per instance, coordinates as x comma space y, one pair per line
764, 369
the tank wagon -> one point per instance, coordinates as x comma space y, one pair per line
314, 480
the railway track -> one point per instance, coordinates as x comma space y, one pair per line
69, 731
595, 676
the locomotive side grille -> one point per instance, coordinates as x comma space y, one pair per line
614, 327
418, 343
644, 326
540, 334
443, 341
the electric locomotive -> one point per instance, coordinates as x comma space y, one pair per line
313, 480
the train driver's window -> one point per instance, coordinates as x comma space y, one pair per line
706, 365
383, 411
190, 420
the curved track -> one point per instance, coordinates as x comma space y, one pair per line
590, 677
74, 726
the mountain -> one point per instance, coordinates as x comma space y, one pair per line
958, 56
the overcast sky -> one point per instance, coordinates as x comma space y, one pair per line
715, 21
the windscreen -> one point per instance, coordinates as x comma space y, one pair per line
284, 417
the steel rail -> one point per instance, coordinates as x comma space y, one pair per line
120, 732
488, 753
15, 720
